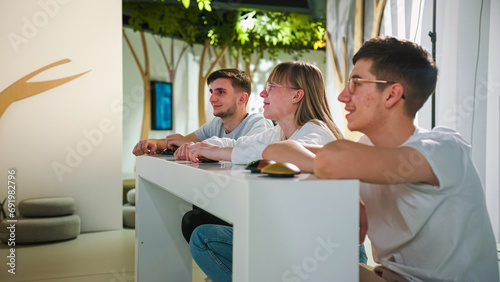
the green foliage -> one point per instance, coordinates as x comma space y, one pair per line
185, 3
247, 31
277, 32
202, 4
191, 25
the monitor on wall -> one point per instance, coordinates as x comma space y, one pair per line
161, 105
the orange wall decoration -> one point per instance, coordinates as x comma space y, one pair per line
22, 88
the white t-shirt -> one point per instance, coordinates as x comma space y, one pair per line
252, 124
249, 148
433, 233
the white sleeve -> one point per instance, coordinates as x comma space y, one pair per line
313, 134
259, 126
250, 148
446, 152
221, 142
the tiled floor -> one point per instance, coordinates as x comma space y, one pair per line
92, 257
198, 275
96, 257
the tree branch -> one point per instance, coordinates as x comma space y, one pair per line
172, 51
212, 66
378, 11
133, 53
146, 56
338, 77
359, 24
344, 78
201, 85
180, 56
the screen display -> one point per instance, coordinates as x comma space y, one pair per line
161, 103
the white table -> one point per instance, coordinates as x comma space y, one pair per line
285, 229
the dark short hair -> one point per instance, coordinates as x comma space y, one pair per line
239, 79
404, 62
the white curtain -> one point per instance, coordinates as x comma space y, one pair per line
340, 23
468, 85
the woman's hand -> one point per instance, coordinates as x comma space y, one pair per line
181, 152
203, 149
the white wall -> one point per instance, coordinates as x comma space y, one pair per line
185, 89
492, 181
65, 141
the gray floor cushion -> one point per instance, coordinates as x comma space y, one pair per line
129, 216
45, 207
41, 230
131, 197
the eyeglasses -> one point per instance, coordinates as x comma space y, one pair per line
353, 80
271, 85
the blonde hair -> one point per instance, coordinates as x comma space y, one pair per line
313, 107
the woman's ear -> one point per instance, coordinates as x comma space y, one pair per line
299, 94
396, 94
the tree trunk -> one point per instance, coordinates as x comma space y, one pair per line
378, 13
146, 80
172, 67
359, 17
202, 78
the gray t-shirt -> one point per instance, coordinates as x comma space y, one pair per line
252, 124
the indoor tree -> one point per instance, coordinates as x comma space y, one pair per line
226, 35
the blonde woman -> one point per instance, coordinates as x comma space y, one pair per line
295, 98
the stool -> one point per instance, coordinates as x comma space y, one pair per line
46, 207
128, 184
43, 220
42, 229
129, 210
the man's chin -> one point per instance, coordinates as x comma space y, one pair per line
352, 127
220, 114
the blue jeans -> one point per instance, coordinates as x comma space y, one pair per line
212, 249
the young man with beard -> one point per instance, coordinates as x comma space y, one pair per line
230, 89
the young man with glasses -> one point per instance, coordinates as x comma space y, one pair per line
425, 205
